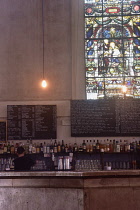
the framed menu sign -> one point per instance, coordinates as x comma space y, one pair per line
3, 130
31, 122
105, 117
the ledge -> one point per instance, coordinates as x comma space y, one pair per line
13, 174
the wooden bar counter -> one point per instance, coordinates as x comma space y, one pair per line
70, 190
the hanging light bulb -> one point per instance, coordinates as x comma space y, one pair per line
124, 89
44, 83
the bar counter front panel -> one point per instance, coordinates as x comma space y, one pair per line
70, 190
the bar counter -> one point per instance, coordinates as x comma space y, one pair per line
70, 190
83, 174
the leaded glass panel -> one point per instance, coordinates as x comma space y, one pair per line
112, 48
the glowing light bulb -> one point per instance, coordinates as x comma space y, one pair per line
124, 89
44, 83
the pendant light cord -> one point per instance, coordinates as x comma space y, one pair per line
43, 36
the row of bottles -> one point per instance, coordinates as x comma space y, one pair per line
30, 147
89, 146
109, 146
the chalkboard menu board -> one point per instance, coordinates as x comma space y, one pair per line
3, 131
31, 122
105, 117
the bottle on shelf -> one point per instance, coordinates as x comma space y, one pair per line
62, 146
37, 148
84, 146
58, 147
75, 147
70, 150
110, 146
41, 148
138, 147
131, 147
48, 148
126, 146
8, 147
30, 147
44, 148
97, 146
101, 146
1, 148
80, 148
27, 147
90, 147
121, 146
117, 146
114, 145
107, 146
135, 145
87, 146
34, 148
55, 146
51, 147
12, 148
66, 149
94, 146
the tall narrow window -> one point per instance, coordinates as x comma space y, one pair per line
112, 48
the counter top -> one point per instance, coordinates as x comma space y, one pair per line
70, 173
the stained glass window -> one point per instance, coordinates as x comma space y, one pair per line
112, 48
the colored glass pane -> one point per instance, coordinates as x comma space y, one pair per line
112, 48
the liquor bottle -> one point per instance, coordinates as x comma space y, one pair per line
51, 147
62, 146
34, 148
38, 148
138, 146
131, 147
87, 147
94, 146
90, 147
8, 147
127, 146
75, 147
135, 145
114, 145
30, 147
58, 147
97, 146
107, 146
5, 149
70, 148
66, 148
27, 147
117, 146
12, 148
41, 148
48, 148
1, 148
80, 148
44, 148
121, 146
110, 146
84, 146
55, 146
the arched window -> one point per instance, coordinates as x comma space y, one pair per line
112, 48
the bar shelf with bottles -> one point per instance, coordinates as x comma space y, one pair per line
89, 155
